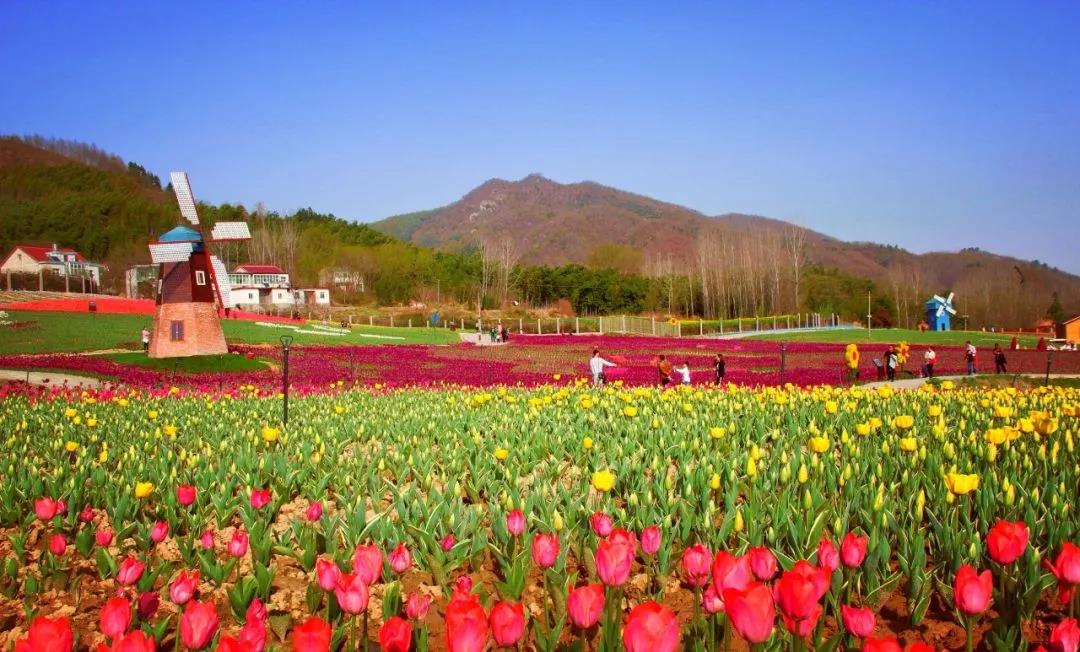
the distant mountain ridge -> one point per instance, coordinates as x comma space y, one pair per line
553, 223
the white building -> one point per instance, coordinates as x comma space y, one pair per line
268, 286
63, 262
312, 296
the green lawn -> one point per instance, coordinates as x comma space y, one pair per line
68, 332
894, 335
194, 364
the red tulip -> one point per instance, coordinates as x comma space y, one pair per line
45, 509
601, 524
395, 635
711, 601
613, 562
229, 644
447, 542
260, 498
327, 574
400, 559
1065, 637
853, 550
257, 611
919, 647
585, 605
751, 611
134, 642
651, 627
314, 511
103, 537
619, 535
1006, 541
463, 584
351, 593
368, 563
253, 635
47, 635
183, 587
971, 590
238, 545
129, 572
312, 636
61, 507
416, 606
185, 495
1066, 568
545, 550
696, 562
159, 531
466, 625
802, 627
730, 572
859, 622
57, 545
115, 617
148, 603
198, 624
650, 540
762, 562
206, 540
881, 645
87, 515
507, 621
798, 591
515, 522
827, 556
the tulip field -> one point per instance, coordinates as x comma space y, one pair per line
543, 516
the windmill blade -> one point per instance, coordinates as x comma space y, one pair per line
182, 188
939, 298
949, 299
952, 311
171, 252
941, 310
226, 231
221, 282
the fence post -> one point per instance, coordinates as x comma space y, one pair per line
521, 326
577, 325
539, 327
410, 322
601, 322
774, 322
370, 320
652, 321
788, 321
558, 326
624, 323
391, 321
738, 320
757, 323
721, 325
701, 326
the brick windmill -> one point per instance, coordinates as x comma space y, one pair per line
190, 281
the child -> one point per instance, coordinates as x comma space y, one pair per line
720, 367
684, 372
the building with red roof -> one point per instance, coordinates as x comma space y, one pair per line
61, 261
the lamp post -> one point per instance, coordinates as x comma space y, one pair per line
783, 356
286, 340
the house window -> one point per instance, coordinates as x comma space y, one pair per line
200, 277
176, 331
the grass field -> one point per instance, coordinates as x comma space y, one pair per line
892, 335
60, 332
196, 364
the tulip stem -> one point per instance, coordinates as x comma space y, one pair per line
967, 629
365, 629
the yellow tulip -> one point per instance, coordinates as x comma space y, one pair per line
153, 414
501, 454
603, 481
819, 444
961, 484
716, 432
71, 447
862, 429
995, 436
587, 443
908, 444
269, 434
904, 421
629, 411
143, 489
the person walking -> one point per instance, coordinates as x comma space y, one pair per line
145, 339
969, 356
596, 367
999, 360
890, 362
720, 366
929, 358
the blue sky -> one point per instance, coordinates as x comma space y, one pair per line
928, 125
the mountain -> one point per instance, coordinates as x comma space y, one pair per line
550, 223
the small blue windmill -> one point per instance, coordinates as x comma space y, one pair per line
939, 312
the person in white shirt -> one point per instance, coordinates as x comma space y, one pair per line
684, 372
929, 358
145, 339
596, 367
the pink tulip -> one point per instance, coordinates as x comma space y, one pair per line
183, 587
696, 562
507, 622
417, 606
585, 605
87, 515
762, 563
198, 624
515, 522
447, 542
327, 574
351, 593
545, 550
257, 611
314, 511
260, 498
368, 563
207, 540
601, 524
711, 601
619, 535
253, 635
650, 540
129, 572
1065, 637
103, 537
752, 611
463, 584
730, 572
45, 508
400, 559
159, 531
613, 561
859, 622
651, 627
853, 550
115, 617
828, 558
238, 545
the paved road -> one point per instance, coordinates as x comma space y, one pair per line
49, 378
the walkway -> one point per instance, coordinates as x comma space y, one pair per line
479, 339
50, 379
915, 383
734, 335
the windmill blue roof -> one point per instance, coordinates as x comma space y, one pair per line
181, 234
